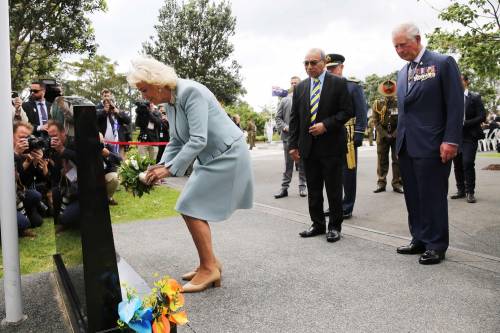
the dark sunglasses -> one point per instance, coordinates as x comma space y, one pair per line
312, 62
34, 91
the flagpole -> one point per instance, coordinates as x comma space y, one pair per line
8, 214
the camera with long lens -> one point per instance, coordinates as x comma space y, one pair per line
142, 121
35, 143
19, 202
64, 203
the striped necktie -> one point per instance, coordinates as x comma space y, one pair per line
316, 91
411, 74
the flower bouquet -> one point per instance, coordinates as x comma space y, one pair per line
158, 312
132, 173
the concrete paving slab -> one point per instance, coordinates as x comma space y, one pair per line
473, 227
275, 281
42, 305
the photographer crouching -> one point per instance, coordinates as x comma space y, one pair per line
111, 163
149, 122
29, 160
62, 168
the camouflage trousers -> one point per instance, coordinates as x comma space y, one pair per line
384, 146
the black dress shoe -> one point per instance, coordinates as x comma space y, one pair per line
347, 216
411, 248
431, 257
379, 189
282, 194
398, 189
332, 236
471, 198
314, 230
327, 212
302, 192
458, 195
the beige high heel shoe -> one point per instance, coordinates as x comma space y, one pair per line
213, 281
189, 276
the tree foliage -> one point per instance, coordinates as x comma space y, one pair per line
246, 112
194, 39
476, 43
41, 31
88, 76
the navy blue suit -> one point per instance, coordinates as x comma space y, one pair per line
431, 112
349, 175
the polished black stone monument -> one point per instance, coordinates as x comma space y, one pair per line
91, 287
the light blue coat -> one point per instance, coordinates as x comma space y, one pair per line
200, 130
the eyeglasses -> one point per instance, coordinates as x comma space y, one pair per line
311, 62
34, 91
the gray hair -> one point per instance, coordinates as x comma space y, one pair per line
318, 50
151, 71
409, 29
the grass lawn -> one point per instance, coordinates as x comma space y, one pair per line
36, 254
489, 155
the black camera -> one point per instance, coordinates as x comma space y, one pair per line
52, 89
35, 143
14, 94
142, 108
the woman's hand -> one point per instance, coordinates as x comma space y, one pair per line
155, 173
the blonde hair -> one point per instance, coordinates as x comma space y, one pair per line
151, 71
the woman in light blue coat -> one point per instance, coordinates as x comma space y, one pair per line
200, 131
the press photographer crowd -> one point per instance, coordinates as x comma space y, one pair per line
45, 156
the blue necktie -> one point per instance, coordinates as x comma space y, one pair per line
44, 113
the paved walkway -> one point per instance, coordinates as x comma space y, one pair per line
275, 281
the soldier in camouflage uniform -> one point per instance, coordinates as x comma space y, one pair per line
369, 131
385, 119
252, 132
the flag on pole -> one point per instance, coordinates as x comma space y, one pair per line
277, 91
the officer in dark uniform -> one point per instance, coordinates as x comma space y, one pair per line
385, 118
355, 128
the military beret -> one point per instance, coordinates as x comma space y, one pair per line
333, 59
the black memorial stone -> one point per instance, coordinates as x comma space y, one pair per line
86, 259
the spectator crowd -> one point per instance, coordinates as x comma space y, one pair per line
46, 159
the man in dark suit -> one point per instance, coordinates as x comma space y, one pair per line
355, 128
320, 108
431, 111
463, 163
37, 108
282, 123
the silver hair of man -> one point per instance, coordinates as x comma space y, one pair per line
409, 29
318, 50
151, 71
